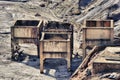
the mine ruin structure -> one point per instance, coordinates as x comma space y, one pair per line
53, 39
97, 32
56, 42
24, 31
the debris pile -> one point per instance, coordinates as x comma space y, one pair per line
96, 65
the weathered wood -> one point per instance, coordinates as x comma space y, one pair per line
113, 58
97, 32
56, 42
57, 46
55, 49
41, 57
84, 45
108, 61
103, 67
87, 59
26, 31
84, 63
99, 23
68, 54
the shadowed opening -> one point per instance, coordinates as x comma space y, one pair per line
26, 23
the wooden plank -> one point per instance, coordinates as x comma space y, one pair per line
38, 49
55, 55
26, 32
24, 23
107, 23
85, 61
29, 40
105, 67
68, 55
57, 32
57, 46
84, 24
84, 43
41, 57
98, 33
97, 23
112, 35
54, 42
113, 58
112, 23
91, 23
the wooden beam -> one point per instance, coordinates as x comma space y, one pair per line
85, 62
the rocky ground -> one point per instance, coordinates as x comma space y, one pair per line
73, 11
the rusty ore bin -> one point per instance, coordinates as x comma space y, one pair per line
56, 42
25, 31
97, 32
